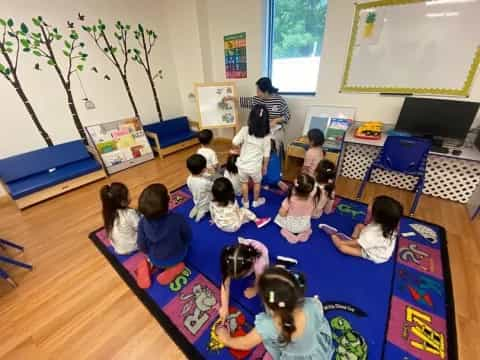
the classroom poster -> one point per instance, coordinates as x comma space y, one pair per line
235, 55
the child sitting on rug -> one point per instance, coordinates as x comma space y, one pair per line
252, 163
231, 173
205, 138
375, 241
163, 236
199, 185
315, 153
239, 261
120, 221
292, 326
224, 209
325, 176
295, 214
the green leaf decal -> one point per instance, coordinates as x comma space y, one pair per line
3, 22
8, 43
10, 22
51, 62
80, 67
25, 42
66, 53
37, 53
67, 44
23, 28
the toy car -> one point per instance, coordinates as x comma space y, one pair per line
371, 129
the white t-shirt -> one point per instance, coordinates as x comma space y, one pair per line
253, 150
235, 180
201, 189
210, 155
124, 231
375, 246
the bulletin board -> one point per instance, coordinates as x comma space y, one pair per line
213, 111
121, 144
413, 47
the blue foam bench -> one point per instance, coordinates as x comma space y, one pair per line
41, 174
172, 135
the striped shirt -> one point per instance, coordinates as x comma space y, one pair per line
275, 104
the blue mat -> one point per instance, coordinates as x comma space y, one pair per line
402, 309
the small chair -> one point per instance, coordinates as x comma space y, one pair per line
8, 260
406, 155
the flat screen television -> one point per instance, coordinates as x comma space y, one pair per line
437, 118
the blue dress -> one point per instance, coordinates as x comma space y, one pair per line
314, 344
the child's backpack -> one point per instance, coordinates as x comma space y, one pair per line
272, 177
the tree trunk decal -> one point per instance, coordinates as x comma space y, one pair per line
97, 33
10, 52
146, 40
40, 45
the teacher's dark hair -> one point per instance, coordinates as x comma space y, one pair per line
265, 85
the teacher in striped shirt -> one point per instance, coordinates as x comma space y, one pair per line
277, 107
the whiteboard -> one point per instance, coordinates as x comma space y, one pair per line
212, 110
414, 46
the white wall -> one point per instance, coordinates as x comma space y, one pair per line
249, 16
44, 88
182, 19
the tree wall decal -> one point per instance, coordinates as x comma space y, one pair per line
41, 44
97, 33
10, 48
146, 40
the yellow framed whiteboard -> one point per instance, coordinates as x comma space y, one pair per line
413, 47
213, 112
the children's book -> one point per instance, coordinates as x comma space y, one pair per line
330, 230
335, 132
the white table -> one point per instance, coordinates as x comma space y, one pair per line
448, 176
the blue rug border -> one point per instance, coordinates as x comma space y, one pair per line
191, 352
170, 328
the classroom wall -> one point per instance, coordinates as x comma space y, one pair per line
45, 90
249, 16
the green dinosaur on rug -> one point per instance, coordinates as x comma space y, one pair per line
350, 344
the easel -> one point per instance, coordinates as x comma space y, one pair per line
201, 90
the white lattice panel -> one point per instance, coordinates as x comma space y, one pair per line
447, 178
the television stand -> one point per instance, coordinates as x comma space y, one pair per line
439, 149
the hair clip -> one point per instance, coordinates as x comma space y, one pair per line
281, 304
288, 324
261, 112
271, 297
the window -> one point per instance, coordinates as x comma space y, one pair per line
295, 31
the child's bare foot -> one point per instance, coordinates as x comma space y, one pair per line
250, 292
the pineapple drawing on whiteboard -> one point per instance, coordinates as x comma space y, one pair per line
369, 24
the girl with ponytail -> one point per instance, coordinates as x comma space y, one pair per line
325, 175
121, 222
240, 261
292, 327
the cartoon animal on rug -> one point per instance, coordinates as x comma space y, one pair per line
236, 323
349, 210
350, 344
197, 306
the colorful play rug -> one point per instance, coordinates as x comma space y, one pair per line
399, 310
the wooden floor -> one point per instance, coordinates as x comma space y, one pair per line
74, 306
